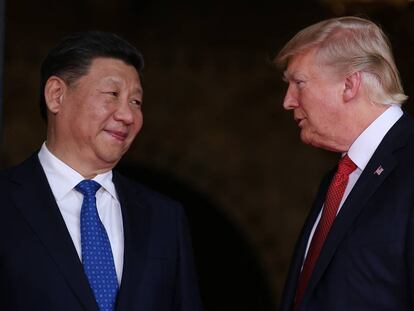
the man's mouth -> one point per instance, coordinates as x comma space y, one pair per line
300, 121
119, 135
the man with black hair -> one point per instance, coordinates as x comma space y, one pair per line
75, 234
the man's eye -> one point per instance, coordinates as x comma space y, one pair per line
112, 93
300, 83
136, 103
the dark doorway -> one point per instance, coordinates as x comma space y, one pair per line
230, 275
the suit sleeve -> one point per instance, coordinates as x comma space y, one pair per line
187, 296
409, 260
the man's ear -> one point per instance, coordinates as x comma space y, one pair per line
54, 90
352, 85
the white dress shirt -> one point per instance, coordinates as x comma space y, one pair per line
362, 150
62, 180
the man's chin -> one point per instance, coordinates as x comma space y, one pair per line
305, 138
111, 157
320, 144
311, 141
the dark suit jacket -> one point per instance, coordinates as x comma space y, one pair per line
40, 269
367, 262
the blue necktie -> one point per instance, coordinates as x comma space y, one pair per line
97, 258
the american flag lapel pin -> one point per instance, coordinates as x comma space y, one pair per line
379, 170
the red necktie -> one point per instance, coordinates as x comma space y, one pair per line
333, 199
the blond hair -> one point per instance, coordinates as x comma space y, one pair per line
351, 44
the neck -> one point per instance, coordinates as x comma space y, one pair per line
83, 167
362, 119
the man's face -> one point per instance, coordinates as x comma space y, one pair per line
315, 96
100, 115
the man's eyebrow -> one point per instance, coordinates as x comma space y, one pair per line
138, 91
286, 76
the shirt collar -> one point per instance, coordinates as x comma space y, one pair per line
62, 178
365, 145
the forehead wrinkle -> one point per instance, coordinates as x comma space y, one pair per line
113, 79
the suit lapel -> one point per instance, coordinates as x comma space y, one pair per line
32, 195
300, 248
366, 186
136, 220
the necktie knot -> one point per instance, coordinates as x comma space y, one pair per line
88, 187
346, 166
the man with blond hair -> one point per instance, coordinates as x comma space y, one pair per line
356, 249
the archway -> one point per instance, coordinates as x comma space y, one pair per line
230, 275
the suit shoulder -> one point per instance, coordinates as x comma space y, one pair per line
408, 131
8, 172
5, 173
30, 165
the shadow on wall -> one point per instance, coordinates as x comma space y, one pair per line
230, 275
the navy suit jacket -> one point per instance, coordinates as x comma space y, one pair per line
40, 268
367, 262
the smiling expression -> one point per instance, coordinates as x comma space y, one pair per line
98, 116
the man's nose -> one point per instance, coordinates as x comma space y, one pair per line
124, 113
291, 101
